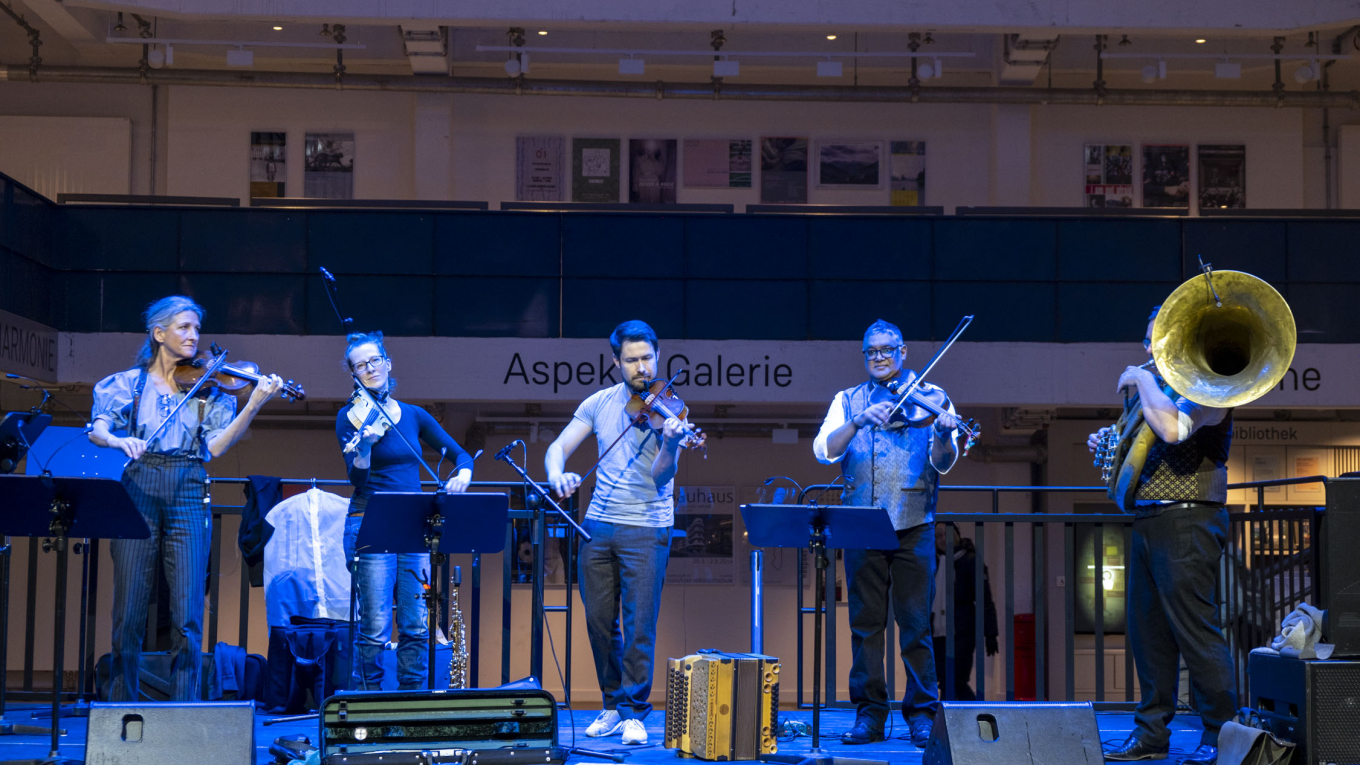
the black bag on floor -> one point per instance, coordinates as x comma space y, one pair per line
155, 683
309, 660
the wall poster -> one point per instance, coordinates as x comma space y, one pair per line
849, 164
328, 162
268, 164
701, 544
717, 163
538, 169
1109, 175
907, 173
652, 170
1222, 176
595, 170
783, 170
1166, 175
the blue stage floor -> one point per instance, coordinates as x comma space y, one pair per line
1114, 726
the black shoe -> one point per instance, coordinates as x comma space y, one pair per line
920, 730
864, 732
1135, 749
1204, 755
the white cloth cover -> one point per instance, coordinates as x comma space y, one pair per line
1300, 632
304, 561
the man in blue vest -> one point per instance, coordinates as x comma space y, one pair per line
895, 466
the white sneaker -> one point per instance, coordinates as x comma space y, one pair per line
633, 732
607, 724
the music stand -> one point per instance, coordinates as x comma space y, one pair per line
51, 506
840, 527
414, 522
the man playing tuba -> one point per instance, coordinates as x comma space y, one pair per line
1181, 523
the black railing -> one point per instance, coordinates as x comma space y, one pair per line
1270, 565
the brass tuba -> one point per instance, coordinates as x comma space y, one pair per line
1222, 339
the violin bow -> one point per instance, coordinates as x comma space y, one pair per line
920, 378
219, 361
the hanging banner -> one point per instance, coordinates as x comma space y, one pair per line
538, 169
701, 544
1222, 176
908, 179
1109, 175
595, 170
27, 348
717, 163
268, 164
1166, 176
328, 162
783, 170
652, 170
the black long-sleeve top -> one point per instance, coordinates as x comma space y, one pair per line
392, 467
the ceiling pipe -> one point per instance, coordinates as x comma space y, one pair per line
730, 90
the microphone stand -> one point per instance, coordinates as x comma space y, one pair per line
541, 499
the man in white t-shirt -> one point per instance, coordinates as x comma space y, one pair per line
629, 520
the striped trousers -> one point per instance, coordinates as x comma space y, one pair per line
169, 491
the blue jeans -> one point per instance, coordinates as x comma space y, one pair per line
623, 566
910, 573
377, 576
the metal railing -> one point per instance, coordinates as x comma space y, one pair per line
1270, 564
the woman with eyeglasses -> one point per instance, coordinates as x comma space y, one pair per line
378, 460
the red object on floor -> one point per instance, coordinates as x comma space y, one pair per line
1024, 657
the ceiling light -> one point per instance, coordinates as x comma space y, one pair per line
542, 31
632, 66
830, 69
1125, 41
830, 37
1200, 40
120, 27
278, 29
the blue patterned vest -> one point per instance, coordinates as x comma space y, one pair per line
889, 468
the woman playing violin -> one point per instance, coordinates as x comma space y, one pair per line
378, 460
169, 485
630, 517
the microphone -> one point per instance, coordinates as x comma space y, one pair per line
503, 453
777, 492
460, 465
327, 275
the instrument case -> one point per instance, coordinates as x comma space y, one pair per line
355, 722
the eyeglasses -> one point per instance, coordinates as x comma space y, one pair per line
879, 353
373, 363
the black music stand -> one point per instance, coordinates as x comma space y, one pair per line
839, 527
414, 522
90, 508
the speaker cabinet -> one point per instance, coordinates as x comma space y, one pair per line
1339, 579
171, 733
976, 733
1312, 703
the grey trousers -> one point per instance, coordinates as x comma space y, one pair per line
1173, 612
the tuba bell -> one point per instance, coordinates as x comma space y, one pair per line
1222, 339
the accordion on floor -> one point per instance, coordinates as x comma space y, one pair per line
723, 706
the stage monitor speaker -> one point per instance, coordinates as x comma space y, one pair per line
1339, 580
977, 733
1311, 703
171, 733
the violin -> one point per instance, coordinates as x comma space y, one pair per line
363, 415
238, 379
649, 410
919, 408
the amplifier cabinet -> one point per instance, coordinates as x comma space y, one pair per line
722, 706
1315, 704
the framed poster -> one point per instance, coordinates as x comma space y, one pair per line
907, 174
1222, 176
328, 162
849, 164
538, 169
268, 164
652, 170
1109, 175
1166, 175
783, 170
595, 170
717, 163
701, 542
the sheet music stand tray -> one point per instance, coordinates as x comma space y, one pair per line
839, 527
48, 506
415, 522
